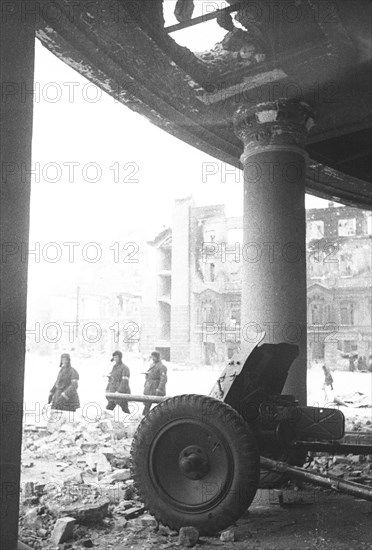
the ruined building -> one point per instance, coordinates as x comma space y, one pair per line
192, 302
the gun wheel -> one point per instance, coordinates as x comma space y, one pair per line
195, 462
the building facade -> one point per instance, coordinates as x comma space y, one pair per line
191, 307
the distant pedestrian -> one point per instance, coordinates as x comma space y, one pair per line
118, 382
64, 396
363, 364
351, 363
156, 379
328, 383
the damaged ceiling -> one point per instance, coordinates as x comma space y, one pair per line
319, 52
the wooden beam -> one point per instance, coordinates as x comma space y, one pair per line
202, 18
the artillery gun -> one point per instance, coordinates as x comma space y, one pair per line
198, 460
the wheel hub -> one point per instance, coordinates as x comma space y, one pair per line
193, 462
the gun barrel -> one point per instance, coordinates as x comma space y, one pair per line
138, 398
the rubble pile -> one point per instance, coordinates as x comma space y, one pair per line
77, 490
65, 440
86, 489
357, 468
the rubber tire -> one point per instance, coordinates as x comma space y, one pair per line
275, 480
244, 454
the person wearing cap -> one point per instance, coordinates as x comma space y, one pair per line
118, 382
64, 396
156, 379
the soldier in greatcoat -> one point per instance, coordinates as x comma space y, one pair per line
118, 382
64, 396
156, 379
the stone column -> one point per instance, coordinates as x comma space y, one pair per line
274, 226
16, 75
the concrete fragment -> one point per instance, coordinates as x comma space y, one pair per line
228, 536
120, 524
108, 452
31, 516
63, 530
122, 506
87, 513
164, 531
188, 536
118, 475
148, 521
134, 512
129, 492
290, 496
29, 488
356, 459
97, 462
340, 460
29, 501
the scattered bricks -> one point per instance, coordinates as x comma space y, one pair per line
97, 462
122, 506
120, 524
164, 531
87, 513
117, 475
129, 492
40, 488
31, 517
340, 460
264, 497
115, 493
356, 459
148, 521
63, 530
228, 536
108, 452
118, 431
188, 536
29, 489
31, 501
134, 512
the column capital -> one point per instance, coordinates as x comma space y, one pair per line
280, 124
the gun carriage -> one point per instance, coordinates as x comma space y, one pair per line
198, 460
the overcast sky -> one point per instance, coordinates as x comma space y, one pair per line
101, 169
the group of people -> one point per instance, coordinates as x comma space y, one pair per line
64, 396
359, 364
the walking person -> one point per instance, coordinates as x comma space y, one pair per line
156, 379
64, 396
118, 382
328, 384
